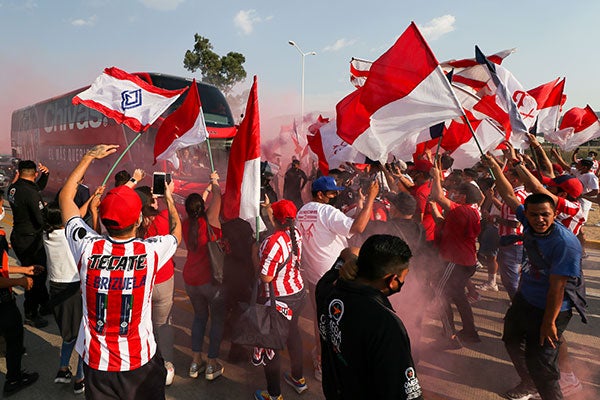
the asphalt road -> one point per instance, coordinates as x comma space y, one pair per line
478, 371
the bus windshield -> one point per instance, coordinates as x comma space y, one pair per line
214, 106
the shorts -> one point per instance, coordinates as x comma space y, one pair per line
489, 240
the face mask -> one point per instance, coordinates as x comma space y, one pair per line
397, 290
333, 200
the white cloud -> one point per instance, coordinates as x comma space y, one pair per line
91, 21
162, 5
339, 44
246, 19
438, 27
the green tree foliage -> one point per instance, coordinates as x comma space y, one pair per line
222, 71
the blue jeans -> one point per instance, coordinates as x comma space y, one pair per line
207, 299
162, 303
509, 264
65, 357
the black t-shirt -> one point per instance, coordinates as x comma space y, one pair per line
27, 207
365, 346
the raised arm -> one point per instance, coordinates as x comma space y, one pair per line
437, 192
68, 208
214, 209
504, 188
362, 219
174, 220
560, 160
543, 159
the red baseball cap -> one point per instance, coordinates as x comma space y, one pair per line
120, 208
422, 165
568, 184
283, 209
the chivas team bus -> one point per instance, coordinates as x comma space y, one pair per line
57, 133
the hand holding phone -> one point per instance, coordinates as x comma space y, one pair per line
159, 183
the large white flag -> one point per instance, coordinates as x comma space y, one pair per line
331, 150
406, 91
550, 99
578, 126
127, 99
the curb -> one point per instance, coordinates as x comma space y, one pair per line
593, 244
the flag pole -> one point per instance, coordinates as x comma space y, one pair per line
466, 119
139, 135
210, 157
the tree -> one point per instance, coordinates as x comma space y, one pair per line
223, 72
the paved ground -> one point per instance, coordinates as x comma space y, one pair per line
477, 372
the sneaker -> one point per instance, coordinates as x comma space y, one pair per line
63, 376
170, 373
264, 395
36, 321
26, 379
196, 368
317, 365
468, 337
214, 371
79, 387
521, 392
488, 287
299, 385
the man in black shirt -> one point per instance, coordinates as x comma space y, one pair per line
28, 210
360, 331
294, 182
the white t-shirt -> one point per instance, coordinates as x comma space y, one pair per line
60, 262
590, 182
324, 230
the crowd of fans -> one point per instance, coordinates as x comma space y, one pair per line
102, 265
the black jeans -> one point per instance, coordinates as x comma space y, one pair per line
144, 383
536, 365
294, 346
29, 249
11, 327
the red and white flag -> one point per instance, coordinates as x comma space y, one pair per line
242, 191
406, 91
184, 127
127, 99
550, 99
331, 150
458, 141
578, 126
359, 71
469, 74
512, 98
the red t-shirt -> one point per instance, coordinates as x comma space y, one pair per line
421, 194
196, 270
459, 234
160, 226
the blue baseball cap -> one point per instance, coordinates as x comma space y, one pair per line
324, 184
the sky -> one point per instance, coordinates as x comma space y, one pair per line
50, 47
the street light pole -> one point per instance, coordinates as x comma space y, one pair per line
309, 53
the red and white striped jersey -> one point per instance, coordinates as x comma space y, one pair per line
570, 214
117, 278
507, 214
274, 250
